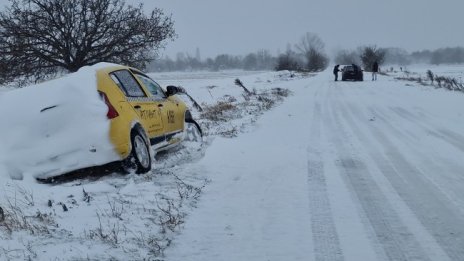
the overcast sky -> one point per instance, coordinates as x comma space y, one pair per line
243, 26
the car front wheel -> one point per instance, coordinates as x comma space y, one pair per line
193, 131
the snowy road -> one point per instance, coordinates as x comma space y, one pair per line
340, 171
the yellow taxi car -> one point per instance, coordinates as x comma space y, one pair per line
141, 114
90, 122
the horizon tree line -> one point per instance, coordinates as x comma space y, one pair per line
309, 55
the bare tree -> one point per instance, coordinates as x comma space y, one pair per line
312, 48
38, 37
310, 41
370, 55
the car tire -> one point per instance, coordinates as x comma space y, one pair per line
140, 157
193, 131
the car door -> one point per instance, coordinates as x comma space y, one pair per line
149, 114
169, 107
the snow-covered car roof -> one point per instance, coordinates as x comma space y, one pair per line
54, 127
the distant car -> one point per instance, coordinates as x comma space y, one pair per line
101, 114
352, 72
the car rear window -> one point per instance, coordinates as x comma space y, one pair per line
127, 83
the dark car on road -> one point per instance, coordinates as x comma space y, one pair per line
352, 72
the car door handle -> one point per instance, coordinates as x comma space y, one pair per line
137, 107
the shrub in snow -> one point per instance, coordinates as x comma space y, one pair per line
287, 62
219, 111
16, 215
446, 82
240, 84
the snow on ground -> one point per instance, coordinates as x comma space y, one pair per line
128, 217
341, 171
337, 171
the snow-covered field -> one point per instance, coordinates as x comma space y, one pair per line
335, 171
456, 70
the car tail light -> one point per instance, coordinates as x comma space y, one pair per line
112, 113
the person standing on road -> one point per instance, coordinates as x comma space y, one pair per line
335, 71
375, 70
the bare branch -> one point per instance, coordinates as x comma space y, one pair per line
38, 37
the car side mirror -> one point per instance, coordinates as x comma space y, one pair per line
172, 90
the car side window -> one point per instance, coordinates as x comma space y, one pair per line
154, 88
127, 83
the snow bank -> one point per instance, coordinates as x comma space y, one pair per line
54, 127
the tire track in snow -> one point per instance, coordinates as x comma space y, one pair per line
325, 237
409, 118
454, 139
396, 240
443, 221
441, 171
